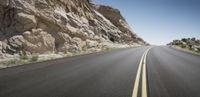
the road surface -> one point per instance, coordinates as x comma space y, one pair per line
134, 72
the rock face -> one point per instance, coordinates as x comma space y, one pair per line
191, 43
46, 26
118, 20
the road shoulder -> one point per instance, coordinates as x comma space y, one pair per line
184, 50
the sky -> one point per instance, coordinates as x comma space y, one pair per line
160, 21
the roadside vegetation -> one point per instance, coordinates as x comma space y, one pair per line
188, 48
34, 58
185, 49
19, 61
26, 59
191, 45
110, 49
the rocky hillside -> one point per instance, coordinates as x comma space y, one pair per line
53, 26
118, 20
190, 43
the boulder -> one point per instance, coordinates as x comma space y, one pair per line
38, 41
25, 22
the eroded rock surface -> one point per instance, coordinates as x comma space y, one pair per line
48, 26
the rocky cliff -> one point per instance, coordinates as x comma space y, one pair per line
118, 20
52, 26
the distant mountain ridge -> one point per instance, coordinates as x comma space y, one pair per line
53, 26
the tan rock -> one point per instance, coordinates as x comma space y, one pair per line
1, 48
38, 41
91, 44
25, 22
118, 20
44, 26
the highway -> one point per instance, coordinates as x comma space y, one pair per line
173, 73
157, 71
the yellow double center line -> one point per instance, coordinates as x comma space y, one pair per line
142, 66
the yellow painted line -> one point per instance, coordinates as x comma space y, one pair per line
144, 76
137, 79
136, 84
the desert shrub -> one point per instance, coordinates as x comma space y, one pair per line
183, 46
14, 61
34, 58
191, 48
184, 40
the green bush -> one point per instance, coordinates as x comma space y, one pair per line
14, 61
191, 49
34, 58
183, 46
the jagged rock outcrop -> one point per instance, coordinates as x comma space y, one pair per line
46, 26
118, 20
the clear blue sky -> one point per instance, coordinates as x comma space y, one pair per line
160, 21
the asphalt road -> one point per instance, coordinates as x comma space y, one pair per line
170, 73
173, 73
